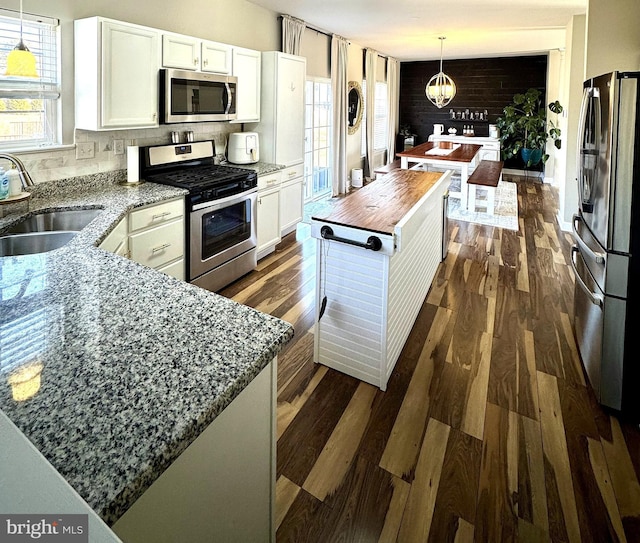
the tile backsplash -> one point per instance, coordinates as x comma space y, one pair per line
63, 163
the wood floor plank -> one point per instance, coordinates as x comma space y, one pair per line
496, 515
532, 494
563, 515
395, 511
286, 493
297, 359
478, 386
338, 453
303, 441
403, 446
623, 479
418, 515
456, 498
359, 507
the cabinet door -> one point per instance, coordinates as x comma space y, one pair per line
268, 219
117, 240
290, 110
216, 57
246, 67
291, 205
180, 52
129, 93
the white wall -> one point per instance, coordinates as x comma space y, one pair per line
236, 22
613, 36
574, 77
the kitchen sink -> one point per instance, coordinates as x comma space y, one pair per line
51, 221
32, 243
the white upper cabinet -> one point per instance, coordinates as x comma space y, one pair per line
116, 74
189, 53
282, 116
216, 57
181, 52
246, 67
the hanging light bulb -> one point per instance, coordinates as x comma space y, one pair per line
21, 62
441, 89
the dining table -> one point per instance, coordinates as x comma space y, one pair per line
445, 154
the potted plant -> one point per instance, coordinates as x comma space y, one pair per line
525, 129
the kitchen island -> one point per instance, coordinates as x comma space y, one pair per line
135, 375
378, 251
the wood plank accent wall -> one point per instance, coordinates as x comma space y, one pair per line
485, 83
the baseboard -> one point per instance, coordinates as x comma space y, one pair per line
525, 173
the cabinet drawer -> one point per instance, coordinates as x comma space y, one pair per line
156, 214
292, 172
269, 181
175, 269
157, 246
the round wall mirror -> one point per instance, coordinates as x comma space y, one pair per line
355, 103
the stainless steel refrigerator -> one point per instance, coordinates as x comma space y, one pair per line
606, 229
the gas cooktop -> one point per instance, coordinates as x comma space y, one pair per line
194, 178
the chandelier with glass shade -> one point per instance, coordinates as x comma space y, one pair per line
440, 89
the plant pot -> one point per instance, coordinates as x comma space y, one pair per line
531, 156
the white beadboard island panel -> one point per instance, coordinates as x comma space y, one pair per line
373, 297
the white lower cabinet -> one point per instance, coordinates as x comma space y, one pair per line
291, 198
222, 487
118, 239
268, 213
153, 236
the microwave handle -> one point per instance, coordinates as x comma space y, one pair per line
229, 98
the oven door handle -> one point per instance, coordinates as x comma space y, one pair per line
223, 202
594, 297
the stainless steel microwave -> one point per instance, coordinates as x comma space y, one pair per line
191, 97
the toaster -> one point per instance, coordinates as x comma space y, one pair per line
243, 148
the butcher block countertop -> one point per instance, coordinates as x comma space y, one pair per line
382, 204
465, 152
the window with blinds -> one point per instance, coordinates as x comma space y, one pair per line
29, 107
381, 114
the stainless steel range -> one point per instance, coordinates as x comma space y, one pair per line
221, 205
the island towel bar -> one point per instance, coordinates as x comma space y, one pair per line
373, 243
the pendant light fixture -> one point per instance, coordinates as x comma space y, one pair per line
441, 89
21, 62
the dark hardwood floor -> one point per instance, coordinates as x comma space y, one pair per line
487, 431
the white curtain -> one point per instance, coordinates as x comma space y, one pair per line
339, 83
292, 31
393, 95
370, 66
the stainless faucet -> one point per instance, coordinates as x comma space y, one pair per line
25, 178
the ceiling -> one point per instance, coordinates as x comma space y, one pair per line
409, 29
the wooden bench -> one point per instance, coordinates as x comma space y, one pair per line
381, 170
486, 176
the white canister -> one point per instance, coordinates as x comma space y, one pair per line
493, 131
356, 177
438, 129
15, 183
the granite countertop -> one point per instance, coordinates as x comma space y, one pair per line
131, 365
261, 168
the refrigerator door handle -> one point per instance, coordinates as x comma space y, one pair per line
595, 255
594, 297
